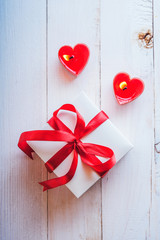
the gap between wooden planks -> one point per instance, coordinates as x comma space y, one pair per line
123, 209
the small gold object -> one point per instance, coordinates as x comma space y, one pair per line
123, 85
66, 57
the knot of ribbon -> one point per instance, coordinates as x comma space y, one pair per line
88, 151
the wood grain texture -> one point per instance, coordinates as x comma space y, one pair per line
155, 207
125, 205
126, 191
23, 205
69, 23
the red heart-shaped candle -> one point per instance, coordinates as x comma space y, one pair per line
74, 59
126, 89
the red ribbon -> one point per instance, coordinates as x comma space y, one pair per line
87, 151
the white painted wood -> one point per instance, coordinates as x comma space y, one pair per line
126, 192
155, 206
23, 205
127, 205
71, 22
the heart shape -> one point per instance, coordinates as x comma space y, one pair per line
74, 59
126, 89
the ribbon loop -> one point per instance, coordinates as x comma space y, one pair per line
57, 124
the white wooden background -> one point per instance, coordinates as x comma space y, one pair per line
125, 205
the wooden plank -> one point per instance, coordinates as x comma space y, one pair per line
155, 208
69, 23
23, 107
126, 191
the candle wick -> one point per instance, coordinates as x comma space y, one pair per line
124, 88
71, 57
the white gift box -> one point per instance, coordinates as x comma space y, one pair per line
106, 134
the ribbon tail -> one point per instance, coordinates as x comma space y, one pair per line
59, 157
23, 145
44, 187
59, 181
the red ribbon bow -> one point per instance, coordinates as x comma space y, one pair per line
87, 151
